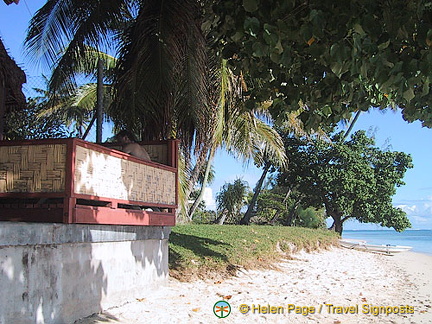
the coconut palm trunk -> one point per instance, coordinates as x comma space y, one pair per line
249, 213
203, 185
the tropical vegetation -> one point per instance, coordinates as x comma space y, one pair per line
330, 58
225, 75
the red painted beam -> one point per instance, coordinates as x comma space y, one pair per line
106, 215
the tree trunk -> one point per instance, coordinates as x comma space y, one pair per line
351, 126
275, 217
99, 105
203, 186
248, 215
2, 107
337, 225
221, 219
291, 214
193, 175
87, 131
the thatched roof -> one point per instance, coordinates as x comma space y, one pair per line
8, 2
12, 77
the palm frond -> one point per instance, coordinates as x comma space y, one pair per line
61, 30
162, 77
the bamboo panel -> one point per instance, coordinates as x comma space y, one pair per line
32, 168
158, 153
103, 175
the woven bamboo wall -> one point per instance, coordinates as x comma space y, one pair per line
158, 153
32, 168
102, 175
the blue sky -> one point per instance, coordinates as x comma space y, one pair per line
388, 128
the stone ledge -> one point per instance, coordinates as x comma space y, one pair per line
54, 233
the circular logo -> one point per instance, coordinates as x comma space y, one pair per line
244, 309
222, 309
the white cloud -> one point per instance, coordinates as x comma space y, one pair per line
209, 199
420, 213
408, 209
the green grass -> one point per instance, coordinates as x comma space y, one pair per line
213, 251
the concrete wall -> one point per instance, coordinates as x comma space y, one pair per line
58, 273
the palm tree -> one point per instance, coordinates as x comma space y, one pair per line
231, 199
240, 131
75, 103
61, 32
165, 81
162, 71
267, 159
72, 110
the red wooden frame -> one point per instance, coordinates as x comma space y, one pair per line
69, 207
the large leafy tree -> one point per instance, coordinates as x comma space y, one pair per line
352, 179
331, 58
328, 58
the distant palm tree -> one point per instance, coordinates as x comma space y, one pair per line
231, 199
74, 103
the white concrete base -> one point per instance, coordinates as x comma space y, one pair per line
100, 267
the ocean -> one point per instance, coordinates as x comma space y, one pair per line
420, 240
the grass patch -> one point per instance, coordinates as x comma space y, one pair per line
213, 251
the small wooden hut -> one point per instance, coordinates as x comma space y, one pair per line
11, 80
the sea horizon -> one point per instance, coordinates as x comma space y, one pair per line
419, 239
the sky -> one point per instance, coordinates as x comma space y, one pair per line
415, 197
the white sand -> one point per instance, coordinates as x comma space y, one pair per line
347, 279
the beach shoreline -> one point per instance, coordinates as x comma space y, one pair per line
331, 286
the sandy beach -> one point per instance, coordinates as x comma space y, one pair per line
332, 286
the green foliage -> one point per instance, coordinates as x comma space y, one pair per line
353, 179
28, 124
320, 59
270, 208
231, 199
310, 217
204, 216
331, 58
276, 207
206, 251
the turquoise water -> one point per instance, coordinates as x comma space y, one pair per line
420, 240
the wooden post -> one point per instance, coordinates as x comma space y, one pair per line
173, 152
